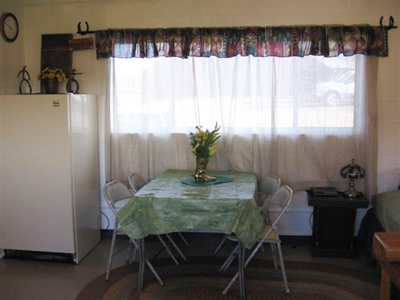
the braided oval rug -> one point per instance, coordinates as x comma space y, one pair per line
199, 278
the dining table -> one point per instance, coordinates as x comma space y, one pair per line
174, 202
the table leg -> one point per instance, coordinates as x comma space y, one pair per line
148, 263
242, 264
241, 256
385, 286
142, 263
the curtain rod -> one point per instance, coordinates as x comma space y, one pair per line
84, 32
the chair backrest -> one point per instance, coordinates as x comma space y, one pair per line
136, 182
282, 198
268, 186
115, 191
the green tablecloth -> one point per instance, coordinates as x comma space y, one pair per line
166, 205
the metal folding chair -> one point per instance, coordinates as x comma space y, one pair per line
136, 183
267, 187
117, 195
282, 198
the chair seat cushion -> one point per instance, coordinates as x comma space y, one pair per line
271, 236
120, 204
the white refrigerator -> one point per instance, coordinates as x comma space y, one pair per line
49, 178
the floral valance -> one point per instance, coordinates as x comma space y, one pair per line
257, 41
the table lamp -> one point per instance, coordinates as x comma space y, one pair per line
353, 171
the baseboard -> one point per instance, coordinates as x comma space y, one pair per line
39, 255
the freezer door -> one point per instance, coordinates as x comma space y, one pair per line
85, 172
36, 186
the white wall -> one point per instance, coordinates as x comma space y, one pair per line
12, 54
61, 16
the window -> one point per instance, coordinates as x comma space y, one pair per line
247, 94
298, 118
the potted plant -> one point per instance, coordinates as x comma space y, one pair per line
50, 79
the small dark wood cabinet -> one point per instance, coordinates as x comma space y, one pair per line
333, 224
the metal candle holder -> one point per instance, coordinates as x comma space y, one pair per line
353, 171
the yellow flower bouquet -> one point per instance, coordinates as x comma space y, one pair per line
203, 145
204, 142
51, 74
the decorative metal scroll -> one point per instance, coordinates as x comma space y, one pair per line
72, 81
25, 79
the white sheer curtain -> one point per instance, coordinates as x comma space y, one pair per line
299, 118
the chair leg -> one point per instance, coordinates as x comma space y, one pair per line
225, 291
168, 250
110, 257
276, 253
176, 247
134, 254
282, 267
183, 239
142, 261
250, 257
247, 261
220, 245
229, 260
273, 252
128, 255
154, 272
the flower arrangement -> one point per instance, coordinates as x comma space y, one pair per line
51, 74
204, 142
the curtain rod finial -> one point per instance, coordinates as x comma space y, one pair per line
391, 23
